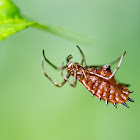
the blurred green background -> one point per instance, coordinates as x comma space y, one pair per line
32, 108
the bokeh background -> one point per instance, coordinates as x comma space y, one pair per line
32, 108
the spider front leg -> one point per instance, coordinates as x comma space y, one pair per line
66, 78
58, 85
55, 67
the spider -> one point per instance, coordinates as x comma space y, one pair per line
99, 80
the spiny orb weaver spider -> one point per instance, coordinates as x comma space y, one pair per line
99, 80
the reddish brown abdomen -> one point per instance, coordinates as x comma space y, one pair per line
108, 90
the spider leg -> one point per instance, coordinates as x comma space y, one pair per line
117, 59
92, 66
121, 58
55, 67
58, 85
66, 78
83, 57
84, 73
107, 78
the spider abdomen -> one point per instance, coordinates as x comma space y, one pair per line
107, 90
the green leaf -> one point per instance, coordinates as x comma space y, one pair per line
12, 21
8, 10
11, 27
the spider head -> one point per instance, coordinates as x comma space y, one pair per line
70, 66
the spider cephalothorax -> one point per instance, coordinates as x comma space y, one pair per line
99, 80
